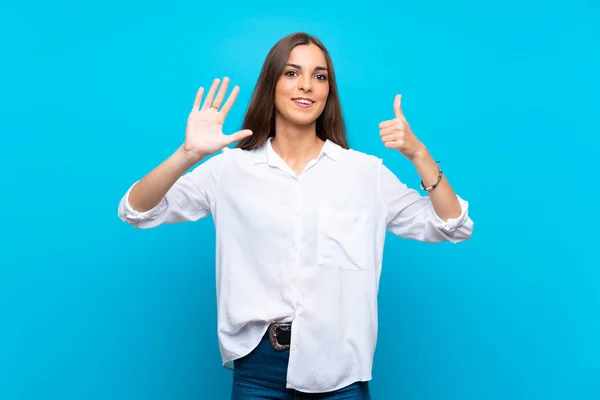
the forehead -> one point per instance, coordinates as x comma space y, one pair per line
307, 54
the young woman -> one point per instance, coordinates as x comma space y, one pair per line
300, 224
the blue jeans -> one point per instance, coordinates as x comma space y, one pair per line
262, 375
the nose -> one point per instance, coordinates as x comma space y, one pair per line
305, 83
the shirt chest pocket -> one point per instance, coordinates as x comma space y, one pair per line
342, 239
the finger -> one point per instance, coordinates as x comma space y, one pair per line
221, 94
230, 100
198, 99
390, 138
398, 123
394, 142
398, 106
236, 137
211, 94
391, 130
386, 124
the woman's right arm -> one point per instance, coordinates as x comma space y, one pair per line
168, 187
168, 195
148, 192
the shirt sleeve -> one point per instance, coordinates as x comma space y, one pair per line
410, 215
191, 198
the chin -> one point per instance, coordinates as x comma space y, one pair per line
303, 121
300, 119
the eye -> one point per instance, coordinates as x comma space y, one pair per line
322, 77
290, 73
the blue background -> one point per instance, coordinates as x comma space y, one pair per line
95, 94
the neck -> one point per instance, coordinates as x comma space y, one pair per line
296, 142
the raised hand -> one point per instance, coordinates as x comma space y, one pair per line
397, 134
204, 130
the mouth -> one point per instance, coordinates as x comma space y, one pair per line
303, 102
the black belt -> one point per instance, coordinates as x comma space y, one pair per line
280, 335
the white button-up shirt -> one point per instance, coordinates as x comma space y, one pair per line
304, 248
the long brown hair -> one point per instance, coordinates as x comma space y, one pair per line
260, 115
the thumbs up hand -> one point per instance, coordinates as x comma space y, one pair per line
396, 134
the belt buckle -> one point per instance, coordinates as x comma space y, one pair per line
273, 336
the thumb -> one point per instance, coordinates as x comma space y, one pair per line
239, 135
398, 106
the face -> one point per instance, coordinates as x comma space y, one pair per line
302, 90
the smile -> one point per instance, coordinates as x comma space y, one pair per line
303, 103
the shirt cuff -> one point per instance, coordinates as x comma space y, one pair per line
452, 223
141, 215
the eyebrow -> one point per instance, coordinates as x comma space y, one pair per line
317, 68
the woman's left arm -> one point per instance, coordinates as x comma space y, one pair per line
397, 134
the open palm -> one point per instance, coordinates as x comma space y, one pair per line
204, 131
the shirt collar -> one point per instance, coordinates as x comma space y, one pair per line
265, 153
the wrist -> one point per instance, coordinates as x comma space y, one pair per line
188, 157
421, 156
